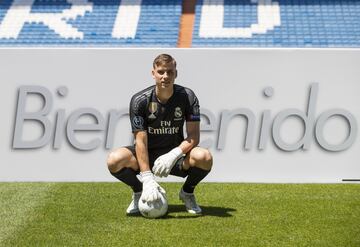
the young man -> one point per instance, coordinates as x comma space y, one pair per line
157, 116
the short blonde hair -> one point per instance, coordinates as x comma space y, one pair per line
163, 59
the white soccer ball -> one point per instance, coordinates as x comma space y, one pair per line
154, 209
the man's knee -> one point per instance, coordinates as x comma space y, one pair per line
116, 160
202, 158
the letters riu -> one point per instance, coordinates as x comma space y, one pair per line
57, 126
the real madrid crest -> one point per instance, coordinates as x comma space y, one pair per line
178, 113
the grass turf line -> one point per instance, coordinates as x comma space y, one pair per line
18, 202
93, 214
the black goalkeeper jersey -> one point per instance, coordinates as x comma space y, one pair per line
163, 122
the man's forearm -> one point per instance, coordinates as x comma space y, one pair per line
188, 144
142, 156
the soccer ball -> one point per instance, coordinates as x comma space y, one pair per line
154, 209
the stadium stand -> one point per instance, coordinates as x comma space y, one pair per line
176, 23
187, 23
287, 23
134, 23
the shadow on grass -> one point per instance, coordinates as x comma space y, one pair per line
207, 211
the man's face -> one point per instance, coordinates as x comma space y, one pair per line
164, 75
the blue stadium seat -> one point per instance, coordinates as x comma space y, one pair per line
310, 23
218, 23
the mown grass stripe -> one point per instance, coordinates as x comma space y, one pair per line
93, 214
18, 201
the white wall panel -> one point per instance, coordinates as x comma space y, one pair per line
225, 80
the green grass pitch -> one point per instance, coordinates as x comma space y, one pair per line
93, 214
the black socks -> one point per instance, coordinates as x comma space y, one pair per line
195, 176
128, 176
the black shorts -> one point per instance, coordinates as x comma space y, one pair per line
154, 154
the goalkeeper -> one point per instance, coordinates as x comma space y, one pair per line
157, 116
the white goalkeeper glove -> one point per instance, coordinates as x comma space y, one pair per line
164, 163
151, 189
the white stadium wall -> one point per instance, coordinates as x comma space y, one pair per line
279, 116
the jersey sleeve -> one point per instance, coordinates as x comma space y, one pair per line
137, 112
193, 107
